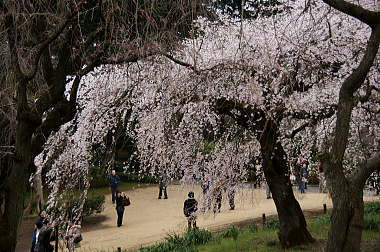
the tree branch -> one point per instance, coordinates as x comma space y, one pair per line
179, 62
371, 18
42, 46
362, 173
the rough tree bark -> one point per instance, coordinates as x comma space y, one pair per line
293, 227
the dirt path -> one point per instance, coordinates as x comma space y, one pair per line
148, 220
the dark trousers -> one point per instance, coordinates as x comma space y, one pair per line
113, 191
120, 213
163, 191
302, 186
218, 203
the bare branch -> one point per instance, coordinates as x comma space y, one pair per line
362, 173
371, 18
179, 62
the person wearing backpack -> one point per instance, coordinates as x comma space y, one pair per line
121, 202
190, 207
73, 236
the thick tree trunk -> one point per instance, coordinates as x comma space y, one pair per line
347, 216
15, 189
293, 228
346, 222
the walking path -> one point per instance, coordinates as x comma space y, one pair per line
148, 220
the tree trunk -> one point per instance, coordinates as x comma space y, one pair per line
293, 228
15, 189
346, 221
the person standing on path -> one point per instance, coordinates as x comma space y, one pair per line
120, 206
43, 239
114, 182
190, 207
268, 194
36, 231
163, 183
304, 172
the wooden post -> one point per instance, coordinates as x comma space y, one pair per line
264, 219
324, 208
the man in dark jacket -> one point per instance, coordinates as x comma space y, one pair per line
37, 227
114, 182
120, 206
190, 207
43, 239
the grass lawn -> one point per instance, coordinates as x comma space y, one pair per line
256, 237
261, 238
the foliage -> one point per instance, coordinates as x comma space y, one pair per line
372, 208
253, 228
272, 224
231, 232
372, 223
324, 219
71, 203
185, 243
93, 204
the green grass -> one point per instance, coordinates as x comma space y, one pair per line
264, 238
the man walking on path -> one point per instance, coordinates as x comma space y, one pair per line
190, 207
114, 182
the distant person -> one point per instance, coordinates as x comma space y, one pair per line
304, 172
190, 207
218, 201
43, 238
268, 193
121, 202
114, 182
302, 184
36, 231
259, 174
73, 236
163, 183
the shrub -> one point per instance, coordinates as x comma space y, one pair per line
93, 204
372, 208
231, 232
372, 224
253, 228
197, 237
272, 224
186, 243
324, 219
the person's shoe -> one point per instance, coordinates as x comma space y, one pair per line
159, 197
166, 198
232, 208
